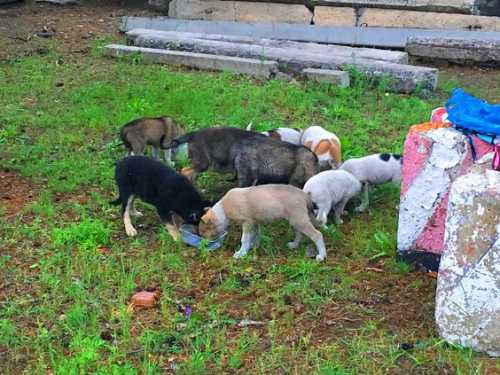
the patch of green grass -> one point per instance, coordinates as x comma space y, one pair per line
68, 270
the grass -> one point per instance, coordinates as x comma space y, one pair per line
68, 270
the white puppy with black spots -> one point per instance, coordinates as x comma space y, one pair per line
374, 169
331, 190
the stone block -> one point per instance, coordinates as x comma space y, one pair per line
214, 10
334, 16
468, 288
434, 156
352, 36
161, 5
372, 17
262, 69
455, 49
335, 77
402, 78
136, 35
447, 6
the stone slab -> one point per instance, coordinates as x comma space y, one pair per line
335, 77
468, 287
161, 5
434, 156
262, 69
316, 48
457, 50
447, 6
59, 2
214, 10
351, 36
334, 16
372, 17
403, 78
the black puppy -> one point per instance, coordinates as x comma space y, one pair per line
271, 161
209, 148
150, 180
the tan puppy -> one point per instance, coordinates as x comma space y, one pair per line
157, 132
263, 203
324, 144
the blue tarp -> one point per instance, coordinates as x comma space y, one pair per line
473, 115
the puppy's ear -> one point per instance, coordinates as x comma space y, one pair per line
208, 217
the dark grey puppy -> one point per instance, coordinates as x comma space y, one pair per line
210, 148
267, 161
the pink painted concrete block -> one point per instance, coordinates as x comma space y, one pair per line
434, 156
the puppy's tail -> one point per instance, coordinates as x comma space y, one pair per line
311, 206
186, 138
249, 127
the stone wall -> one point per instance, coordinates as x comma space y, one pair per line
434, 156
435, 14
468, 293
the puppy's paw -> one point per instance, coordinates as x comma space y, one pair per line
339, 221
292, 245
137, 214
360, 209
320, 258
239, 254
131, 231
311, 251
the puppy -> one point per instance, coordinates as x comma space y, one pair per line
249, 206
155, 183
373, 170
266, 160
289, 135
157, 132
331, 190
209, 148
325, 145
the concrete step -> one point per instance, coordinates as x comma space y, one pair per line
457, 50
335, 77
262, 69
427, 20
215, 10
403, 78
314, 48
352, 36
446, 6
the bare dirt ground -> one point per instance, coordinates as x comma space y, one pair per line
26, 27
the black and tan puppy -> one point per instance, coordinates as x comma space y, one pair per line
270, 161
210, 148
153, 182
157, 132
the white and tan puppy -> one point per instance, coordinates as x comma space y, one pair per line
374, 170
264, 203
283, 134
324, 144
331, 190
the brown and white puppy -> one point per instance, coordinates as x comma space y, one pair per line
252, 205
289, 135
157, 132
325, 145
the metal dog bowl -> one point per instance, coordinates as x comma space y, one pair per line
190, 236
